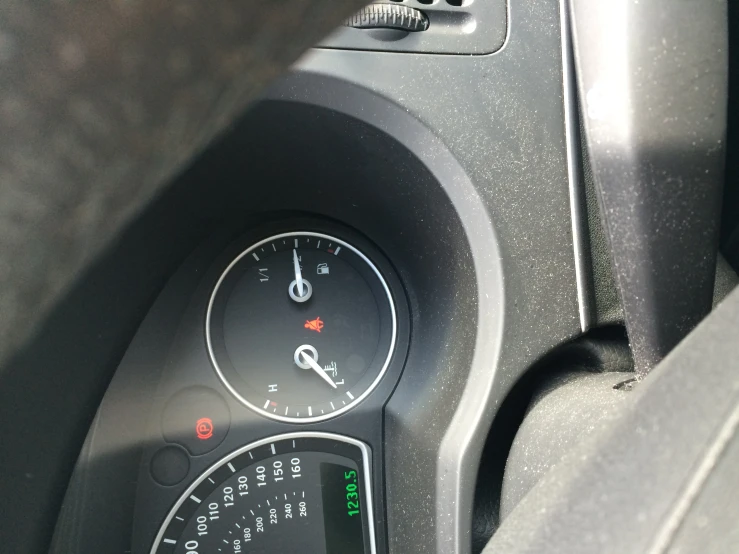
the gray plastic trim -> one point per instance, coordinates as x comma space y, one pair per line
578, 203
463, 440
653, 80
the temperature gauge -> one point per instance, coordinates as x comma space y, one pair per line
301, 326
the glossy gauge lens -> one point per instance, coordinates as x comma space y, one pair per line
301, 326
298, 493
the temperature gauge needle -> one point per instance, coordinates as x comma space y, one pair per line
298, 274
304, 360
318, 369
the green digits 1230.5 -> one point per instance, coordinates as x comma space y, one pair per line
352, 496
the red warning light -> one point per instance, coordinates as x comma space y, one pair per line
314, 325
204, 428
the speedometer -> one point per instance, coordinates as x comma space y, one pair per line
290, 494
301, 326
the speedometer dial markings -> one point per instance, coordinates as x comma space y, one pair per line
305, 513
295, 328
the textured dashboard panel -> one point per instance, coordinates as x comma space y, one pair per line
502, 117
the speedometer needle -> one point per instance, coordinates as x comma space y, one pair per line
298, 274
318, 369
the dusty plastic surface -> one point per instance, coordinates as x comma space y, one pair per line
501, 116
654, 108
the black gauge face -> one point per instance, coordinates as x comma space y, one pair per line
301, 327
298, 493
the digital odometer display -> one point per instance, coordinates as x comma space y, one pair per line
341, 508
297, 493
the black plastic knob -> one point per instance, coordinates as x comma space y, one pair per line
389, 16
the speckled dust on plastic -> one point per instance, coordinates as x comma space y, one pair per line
502, 117
655, 119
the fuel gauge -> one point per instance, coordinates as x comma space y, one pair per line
301, 326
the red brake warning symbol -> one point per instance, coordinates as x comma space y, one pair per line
204, 428
314, 325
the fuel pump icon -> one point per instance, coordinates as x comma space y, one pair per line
322, 269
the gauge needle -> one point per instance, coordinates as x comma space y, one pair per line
317, 368
298, 274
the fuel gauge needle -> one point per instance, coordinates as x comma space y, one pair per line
318, 369
298, 273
